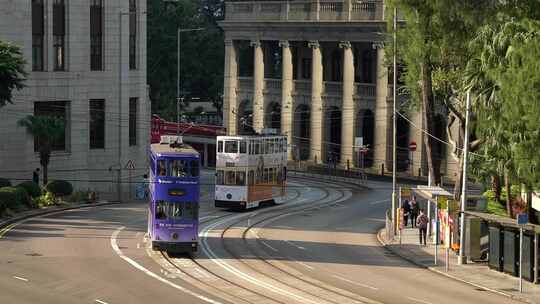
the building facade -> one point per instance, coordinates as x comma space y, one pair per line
316, 70
86, 63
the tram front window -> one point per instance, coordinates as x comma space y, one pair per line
194, 168
161, 168
243, 147
178, 168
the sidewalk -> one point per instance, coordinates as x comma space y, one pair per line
5, 221
476, 274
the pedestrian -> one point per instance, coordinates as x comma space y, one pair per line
421, 223
406, 212
35, 176
414, 211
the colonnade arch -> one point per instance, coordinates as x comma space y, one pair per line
365, 128
273, 116
332, 135
301, 132
245, 117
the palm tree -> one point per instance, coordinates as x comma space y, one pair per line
46, 130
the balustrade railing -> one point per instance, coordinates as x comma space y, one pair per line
272, 84
303, 10
366, 90
302, 86
333, 88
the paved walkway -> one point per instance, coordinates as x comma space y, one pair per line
477, 274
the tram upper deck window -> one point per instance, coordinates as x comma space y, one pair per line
162, 169
243, 147
231, 146
194, 166
220, 146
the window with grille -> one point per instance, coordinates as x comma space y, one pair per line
37, 35
96, 35
132, 34
97, 124
57, 109
59, 33
133, 121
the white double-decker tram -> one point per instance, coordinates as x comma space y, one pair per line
250, 170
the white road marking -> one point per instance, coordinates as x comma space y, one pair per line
379, 202
418, 300
293, 244
115, 247
208, 251
138, 245
354, 283
305, 265
101, 302
19, 278
265, 244
208, 216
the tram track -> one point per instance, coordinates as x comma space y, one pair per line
329, 293
234, 298
229, 296
298, 283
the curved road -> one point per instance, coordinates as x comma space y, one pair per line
319, 247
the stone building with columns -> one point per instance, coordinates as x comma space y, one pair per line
316, 71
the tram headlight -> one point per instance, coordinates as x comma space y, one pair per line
175, 236
229, 196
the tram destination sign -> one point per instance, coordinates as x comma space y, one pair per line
177, 192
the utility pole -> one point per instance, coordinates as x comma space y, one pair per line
394, 123
461, 257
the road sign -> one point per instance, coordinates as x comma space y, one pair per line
358, 143
522, 219
130, 165
412, 146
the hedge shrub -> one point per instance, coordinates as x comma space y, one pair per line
31, 188
59, 188
4, 182
14, 198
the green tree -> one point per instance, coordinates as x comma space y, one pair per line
45, 130
12, 73
201, 52
432, 46
503, 77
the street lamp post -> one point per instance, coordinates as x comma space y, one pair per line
394, 125
178, 98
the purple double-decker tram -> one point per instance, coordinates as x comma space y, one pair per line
173, 210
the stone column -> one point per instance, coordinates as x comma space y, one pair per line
383, 116
348, 108
258, 86
286, 97
230, 104
316, 102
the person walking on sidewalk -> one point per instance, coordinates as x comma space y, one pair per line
414, 211
422, 222
35, 176
406, 212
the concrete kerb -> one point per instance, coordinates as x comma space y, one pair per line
433, 269
41, 212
